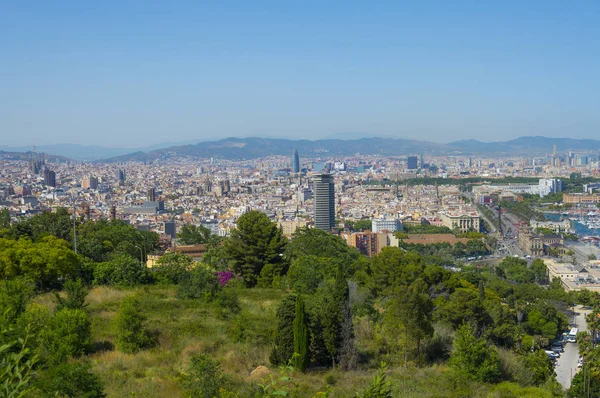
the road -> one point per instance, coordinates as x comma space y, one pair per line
567, 363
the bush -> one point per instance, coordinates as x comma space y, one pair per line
172, 268
228, 302
76, 293
204, 377
68, 334
131, 335
122, 270
14, 296
201, 282
72, 380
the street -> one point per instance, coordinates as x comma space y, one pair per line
567, 363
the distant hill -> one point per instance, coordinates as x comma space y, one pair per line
537, 145
91, 152
25, 156
252, 148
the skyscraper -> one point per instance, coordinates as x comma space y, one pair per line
412, 162
120, 176
324, 202
49, 177
151, 195
295, 162
170, 229
89, 182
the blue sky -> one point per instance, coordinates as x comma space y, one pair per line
134, 73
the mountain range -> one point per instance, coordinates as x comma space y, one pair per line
253, 147
90, 152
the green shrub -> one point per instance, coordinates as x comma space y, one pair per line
122, 270
379, 386
204, 377
76, 294
172, 268
201, 282
68, 334
131, 335
14, 296
72, 380
228, 302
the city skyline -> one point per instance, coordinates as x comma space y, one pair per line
145, 73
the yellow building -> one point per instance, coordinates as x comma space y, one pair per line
289, 227
580, 198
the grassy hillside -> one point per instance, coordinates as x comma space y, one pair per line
239, 343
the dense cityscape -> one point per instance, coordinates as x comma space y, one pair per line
526, 220
299, 199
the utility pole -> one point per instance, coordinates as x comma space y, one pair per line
500, 222
74, 229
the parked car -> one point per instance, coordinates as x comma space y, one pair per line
551, 354
557, 350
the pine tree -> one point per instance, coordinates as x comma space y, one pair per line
301, 348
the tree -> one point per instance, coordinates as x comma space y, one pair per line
193, 235
199, 283
68, 334
348, 355
121, 270
283, 349
4, 219
14, 295
76, 293
411, 310
472, 358
131, 335
394, 267
46, 261
172, 268
538, 267
57, 224
255, 243
301, 348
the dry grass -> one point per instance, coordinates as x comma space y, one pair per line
106, 295
184, 328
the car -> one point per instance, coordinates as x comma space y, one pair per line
551, 354
557, 350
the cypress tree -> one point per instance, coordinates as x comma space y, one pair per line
284, 337
302, 359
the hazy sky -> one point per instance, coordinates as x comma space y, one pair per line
133, 73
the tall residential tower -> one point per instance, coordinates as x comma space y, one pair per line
324, 197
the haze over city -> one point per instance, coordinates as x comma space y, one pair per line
140, 73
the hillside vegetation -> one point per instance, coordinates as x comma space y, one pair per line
264, 317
